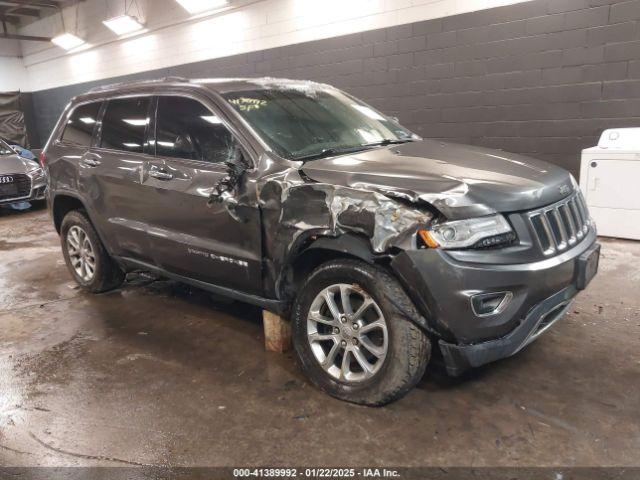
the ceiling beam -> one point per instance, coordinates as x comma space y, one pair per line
29, 38
28, 12
32, 3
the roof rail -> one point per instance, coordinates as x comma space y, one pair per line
111, 86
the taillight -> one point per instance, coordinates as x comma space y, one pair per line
43, 159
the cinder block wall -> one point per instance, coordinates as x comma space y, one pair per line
541, 78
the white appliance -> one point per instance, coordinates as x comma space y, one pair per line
610, 182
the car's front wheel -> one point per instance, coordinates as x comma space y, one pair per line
86, 258
352, 334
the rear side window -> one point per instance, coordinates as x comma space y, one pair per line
125, 123
185, 128
79, 128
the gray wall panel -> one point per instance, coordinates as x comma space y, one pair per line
541, 78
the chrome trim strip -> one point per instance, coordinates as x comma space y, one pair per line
561, 310
502, 306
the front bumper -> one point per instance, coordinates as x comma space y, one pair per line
442, 289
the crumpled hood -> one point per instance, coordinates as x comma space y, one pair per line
15, 164
460, 181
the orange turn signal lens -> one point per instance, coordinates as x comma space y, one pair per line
428, 240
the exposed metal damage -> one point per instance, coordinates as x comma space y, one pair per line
296, 210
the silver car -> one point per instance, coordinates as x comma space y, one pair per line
21, 179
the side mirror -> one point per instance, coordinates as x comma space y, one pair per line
223, 191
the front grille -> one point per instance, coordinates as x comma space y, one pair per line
21, 181
562, 225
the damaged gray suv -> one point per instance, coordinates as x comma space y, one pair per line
380, 246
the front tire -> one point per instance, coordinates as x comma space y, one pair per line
86, 258
352, 335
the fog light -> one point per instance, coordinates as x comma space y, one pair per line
485, 304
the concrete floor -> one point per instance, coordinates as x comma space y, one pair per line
158, 373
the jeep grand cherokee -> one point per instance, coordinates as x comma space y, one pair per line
379, 245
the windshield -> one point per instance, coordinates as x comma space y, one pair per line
6, 149
302, 124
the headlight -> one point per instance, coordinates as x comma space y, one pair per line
482, 232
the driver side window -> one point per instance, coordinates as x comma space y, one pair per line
186, 129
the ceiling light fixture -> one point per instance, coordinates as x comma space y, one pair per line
199, 6
123, 24
68, 41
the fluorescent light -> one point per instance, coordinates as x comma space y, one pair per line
87, 120
132, 145
198, 6
211, 119
67, 41
123, 24
136, 122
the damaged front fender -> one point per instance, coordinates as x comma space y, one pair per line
292, 206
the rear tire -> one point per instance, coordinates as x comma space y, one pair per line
392, 351
87, 260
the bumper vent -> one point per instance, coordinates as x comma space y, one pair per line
23, 185
562, 225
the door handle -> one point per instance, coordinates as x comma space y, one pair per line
91, 162
160, 173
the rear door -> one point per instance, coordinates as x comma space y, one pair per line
68, 153
112, 173
188, 235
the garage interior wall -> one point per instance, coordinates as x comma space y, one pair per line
541, 77
13, 75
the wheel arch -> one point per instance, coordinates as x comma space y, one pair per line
316, 250
65, 202
348, 246
62, 204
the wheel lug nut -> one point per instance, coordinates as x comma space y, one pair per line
356, 326
343, 343
355, 341
336, 330
343, 319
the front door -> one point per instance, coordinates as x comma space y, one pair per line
189, 235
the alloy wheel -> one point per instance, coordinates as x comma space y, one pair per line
347, 332
81, 253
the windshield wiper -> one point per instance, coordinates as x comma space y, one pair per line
327, 152
388, 141
356, 148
